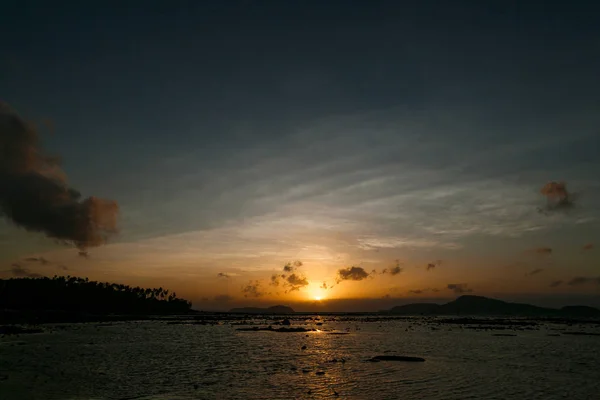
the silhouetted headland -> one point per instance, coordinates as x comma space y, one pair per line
479, 305
256, 310
73, 299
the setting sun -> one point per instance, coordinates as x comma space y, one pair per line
315, 292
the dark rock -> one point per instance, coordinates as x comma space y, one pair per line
286, 322
582, 333
303, 347
271, 329
396, 358
320, 373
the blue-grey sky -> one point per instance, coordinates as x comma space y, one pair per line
239, 135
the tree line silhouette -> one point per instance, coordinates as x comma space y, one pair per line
74, 294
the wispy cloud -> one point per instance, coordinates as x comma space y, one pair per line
253, 289
223, 275
20, 272
587, 247
433, 265
534, 272
556, 283
41, 260
223, 298
584, 280
542, 251
395, 270
459, 288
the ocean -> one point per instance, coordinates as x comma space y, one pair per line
162, 360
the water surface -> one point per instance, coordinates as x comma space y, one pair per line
157, 360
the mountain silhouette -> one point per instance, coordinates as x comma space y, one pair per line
479, 305
257, 310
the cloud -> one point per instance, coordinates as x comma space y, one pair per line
459, 288
223, 275
395, 270
296, 282
253, 289
34, 194
275, 280
41, 260
534, 272
84, 254
542, 251
291, 267
434, 264
421, 291
21, 272
292, 280
223, 298
588, 246
324, 286
583, 280
557, 196
352, 274
556, 283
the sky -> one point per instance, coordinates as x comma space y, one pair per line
329, 155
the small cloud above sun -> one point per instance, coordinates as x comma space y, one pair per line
316, 293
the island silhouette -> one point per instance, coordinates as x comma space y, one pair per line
479, 305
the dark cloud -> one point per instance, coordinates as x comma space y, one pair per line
84, 254
292, 280
395, 270
459, 288
352, 274
556, 283
583, 280
253, 289
534, 272
34, 194
434, 264
275, 280
41, 260
20, 272
63, 267
543, 251
324, 286
223, 275
558, 197
296, 282
588, 246
291, 267
421, 291
223, 298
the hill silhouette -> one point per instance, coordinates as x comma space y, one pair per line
257, 310
479, 305
76, 296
